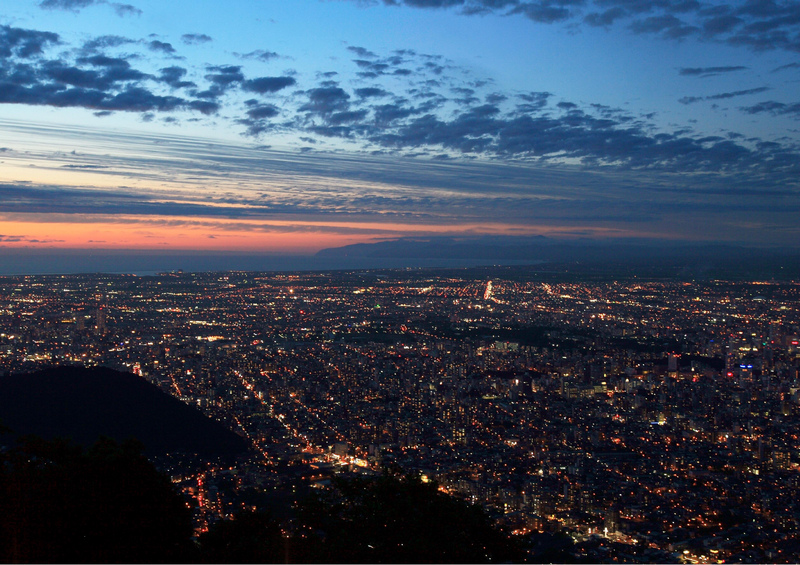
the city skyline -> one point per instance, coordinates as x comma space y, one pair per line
287, 128
600, 419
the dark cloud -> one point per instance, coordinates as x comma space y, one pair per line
264, 85
137, 99
347, 117
361, 51
195, 38
721, 24
756, 24
124, 10
774, 108
121, 10
259, 55
464, 96
173, 76
389, 114
544, 12
261, 111
724, 95
25, 43
106, 42
69, 200
533, 101
531, 132
113, 71
605, 18
95, 80
667, 25
787, 66
371, 69
391, 66
222, 79
710, 71
161, 47
326, 100
471, 121
371, 92
225, 75
70, 5
105, 61
257, 118
203, 106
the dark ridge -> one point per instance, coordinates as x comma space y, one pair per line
659, 259
86, 403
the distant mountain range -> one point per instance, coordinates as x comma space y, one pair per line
692, 259
86, 403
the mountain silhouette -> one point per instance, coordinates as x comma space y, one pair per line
84, 404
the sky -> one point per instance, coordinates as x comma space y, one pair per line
286, 127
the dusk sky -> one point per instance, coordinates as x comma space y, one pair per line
287, 126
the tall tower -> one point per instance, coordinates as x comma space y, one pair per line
100, 321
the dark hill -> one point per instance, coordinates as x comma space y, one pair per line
86, 403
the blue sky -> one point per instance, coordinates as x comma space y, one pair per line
290, 126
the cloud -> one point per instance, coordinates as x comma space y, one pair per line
70, 5
371, 92
440, 112
257, 118
543, 12
787, 66
326, 100
373, 67
260, 111
324, 187
709, 71
666, 25
173, 76
259, 55
161, 47
264, 85
755, 24
25, 43
361, 51
222, 79
533, 101
124, 10
94, 80
105, 42
605, 18
195, 38
537, 135
774, 108
388, 114
724, 95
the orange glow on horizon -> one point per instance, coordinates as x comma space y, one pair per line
223, 234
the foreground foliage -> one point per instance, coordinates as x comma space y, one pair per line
61, 503
394, 519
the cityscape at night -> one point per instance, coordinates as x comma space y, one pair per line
647, 420
400, 281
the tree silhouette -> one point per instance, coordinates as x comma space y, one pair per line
61, 503
250, 537
395, 519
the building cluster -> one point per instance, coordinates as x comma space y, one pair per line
649, 420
